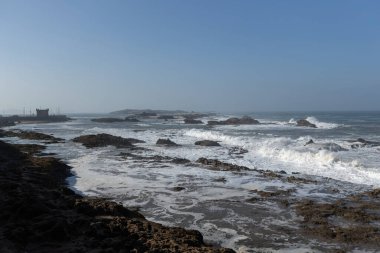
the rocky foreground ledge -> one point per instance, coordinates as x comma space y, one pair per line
40, 214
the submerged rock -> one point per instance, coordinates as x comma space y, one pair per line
360, 143
305, 123
207, 143
178, 188
235, 121
166, 142
102, 140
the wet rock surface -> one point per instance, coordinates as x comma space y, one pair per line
235, 121
30, 135
102, 140
218, 165
39, 214
305, 123
207, 143
155, 158
166, 142
353, 220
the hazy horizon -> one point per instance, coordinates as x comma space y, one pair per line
224, 56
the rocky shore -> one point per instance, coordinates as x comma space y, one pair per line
40, 214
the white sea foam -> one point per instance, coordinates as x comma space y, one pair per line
292, 155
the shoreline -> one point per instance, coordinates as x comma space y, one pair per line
41, 214
345, 221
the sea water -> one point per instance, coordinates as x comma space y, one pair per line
215, 202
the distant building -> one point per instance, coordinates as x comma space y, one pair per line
42, 113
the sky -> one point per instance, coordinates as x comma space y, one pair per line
201, 55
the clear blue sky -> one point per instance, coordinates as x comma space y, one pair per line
236, 55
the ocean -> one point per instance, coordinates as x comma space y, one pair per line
217, 203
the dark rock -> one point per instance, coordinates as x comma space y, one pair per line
220, 179
309, 142
178, 188
194, 115
180, 160
207, 143
131, 119
107, 120
166, 142
300, 180
30, 135
267, 194
31, 149
305, 123
193, 121
235, 121
221, 166
102, 140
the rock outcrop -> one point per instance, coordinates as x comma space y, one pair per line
215, 164
30, 135
235, 121
166, 142
305, 123
207, 143
102, 140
